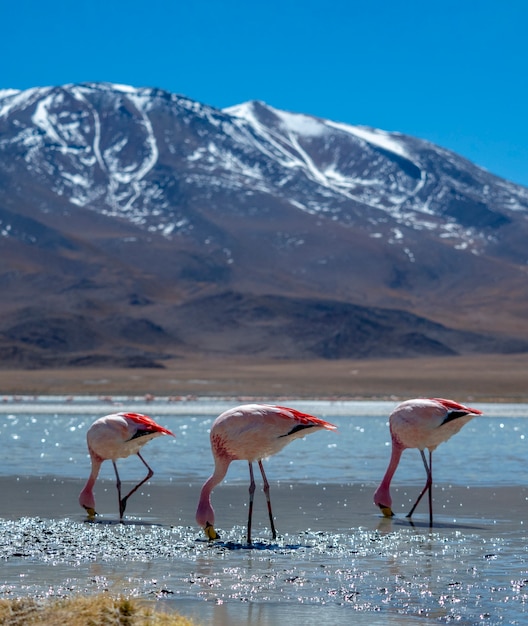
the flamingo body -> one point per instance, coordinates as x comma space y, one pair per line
423, 424
251, 432
113, 437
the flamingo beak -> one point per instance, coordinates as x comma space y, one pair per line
386, 510
211, 532
91, 512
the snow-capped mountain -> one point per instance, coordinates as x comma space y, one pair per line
115, 200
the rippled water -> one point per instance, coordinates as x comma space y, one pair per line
348, 566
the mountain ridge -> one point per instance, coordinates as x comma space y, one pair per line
126, 208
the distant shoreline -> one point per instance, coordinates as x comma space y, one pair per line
484, 378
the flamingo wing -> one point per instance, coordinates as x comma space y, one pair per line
451, 405
304, 420
146, 423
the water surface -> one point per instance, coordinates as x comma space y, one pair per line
335, 561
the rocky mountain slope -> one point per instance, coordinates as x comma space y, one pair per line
138, 225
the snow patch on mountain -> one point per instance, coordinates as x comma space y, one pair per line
399, 186
13, 99
82, 136
376, 137
301, 124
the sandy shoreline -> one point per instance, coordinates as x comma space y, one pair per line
484, 378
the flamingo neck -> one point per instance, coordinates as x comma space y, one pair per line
205, 513
86, 497
382, 496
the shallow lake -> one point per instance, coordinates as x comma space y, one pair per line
336, 560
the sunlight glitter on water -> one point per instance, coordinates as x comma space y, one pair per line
453, 576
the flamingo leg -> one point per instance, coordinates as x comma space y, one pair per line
123, 501
431, 489
266, 489
427, 487
251, 494
118, 485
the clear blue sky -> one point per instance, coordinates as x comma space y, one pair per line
454, 72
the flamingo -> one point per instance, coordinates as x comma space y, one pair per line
117, 436
420, 423
251, 432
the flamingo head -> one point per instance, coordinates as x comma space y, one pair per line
91, 512
205, 516
87, 501
88, 504
383, 500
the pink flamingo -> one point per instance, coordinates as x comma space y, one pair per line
117, 436
251, 432
420, 423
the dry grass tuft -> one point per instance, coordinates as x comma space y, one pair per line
100, 610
